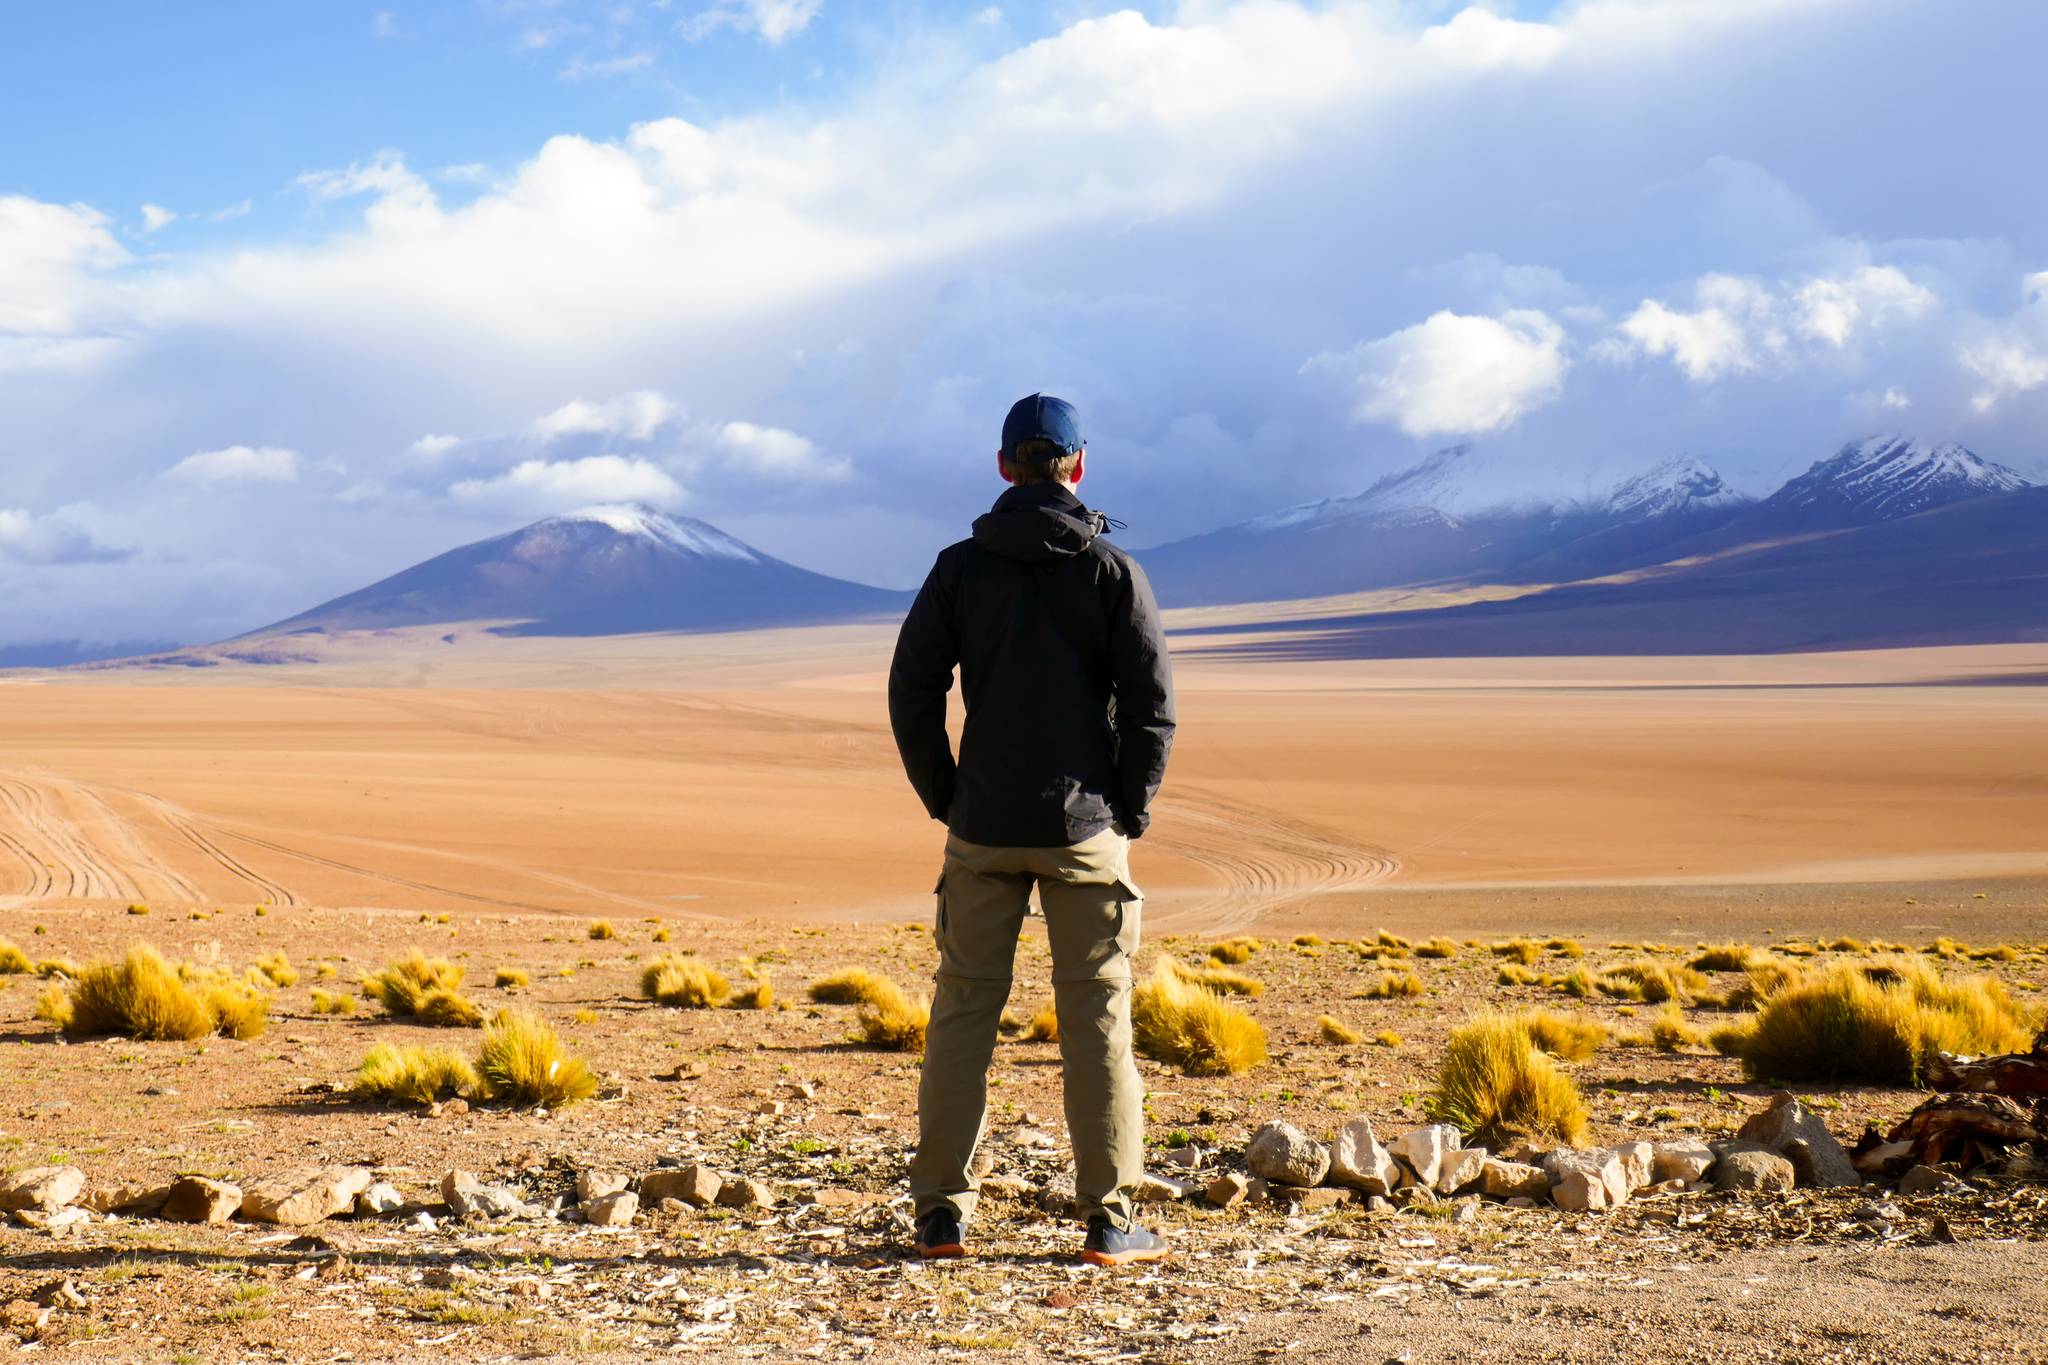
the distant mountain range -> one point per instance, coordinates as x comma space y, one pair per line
619, 570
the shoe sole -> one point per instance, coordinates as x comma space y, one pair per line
947, 1252
1105, 1258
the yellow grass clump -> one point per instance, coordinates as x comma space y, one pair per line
1519, 950
13, 961
1881, 1021
402, 987
1650, 982
1234, 950
1670, 1030
449, 1009
849, 986
408, 1074
1393, 986
143, 996
1496, 1085
1333, 1030
894, 1021
584, 1016
1847, 945
1437, 948
138, 909
684, 982
523, 1061
1045, 1025
1567, 1037
1308, 941
332, 1002
511, 979
1216, 977
277, 969
1729, 957
1564, 947
601, 929
1386, 1037
1515, 974
757, 994
1177, 1021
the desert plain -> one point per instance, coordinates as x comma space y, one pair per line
490, 801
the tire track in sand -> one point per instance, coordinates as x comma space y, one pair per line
1264, 860
84, 873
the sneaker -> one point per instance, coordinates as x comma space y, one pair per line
938, 1235
1108, 1245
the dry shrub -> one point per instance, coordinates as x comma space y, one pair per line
409, 1074
1729, 957
1563, 1036
1310, 941
404, 986
1564, 947
277, 969
138, 909
1393, 986
684, 982
1234, 950
849, 986
13, 961
511, 979
1882, 1022
1847, 945
239, 1010
758, 994
1177, 1021
601, 929
1386, 1037
1045, 1025
1334, 1030
1518, 949
57, 966
1651, 982
449, 1009
662, 935
584, 1015
332, 1002
1437, 948
1799, 949
1764, 979
894, 1021
1394, 941
1218, 978
1515, 974
2003, 952
523, 1061
1496, 1085
143, 996
1670, 1030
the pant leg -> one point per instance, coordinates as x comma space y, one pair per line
983, 898
1092, 922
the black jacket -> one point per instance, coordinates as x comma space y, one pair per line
1064, 670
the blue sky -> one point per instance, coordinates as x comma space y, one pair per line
292, 295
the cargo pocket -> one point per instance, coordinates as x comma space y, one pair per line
939, 910
1130, 905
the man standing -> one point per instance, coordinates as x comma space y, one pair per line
1069, 698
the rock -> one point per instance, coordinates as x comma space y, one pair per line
1378, 1203
422, 1222
196, 1199
1597, 1168
380, 1199
1426, 1149
1188, 1158
53, 1220
1057, 1198
614, 1210
1513, 1179
1684, 1160
1321, 1198
305, 1196
448, 1109
1637, 1162
1359, 1161
1257, 1190
597, 1184
1523, 1201
746, 1194
42, 1188
1751, 1168
469, 1197
1163, 1189
25, 1319
142, 1200
63, 1294
1787, 1121
1284, 1155
1228, 1190
1012, 1187
1928, 1180
694, 1185
1462, 1169
1583, 1191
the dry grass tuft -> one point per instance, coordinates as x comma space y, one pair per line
1567, 1037
138, 909
1846, 945
449, 1009
523, 1061
332, 1002
408, 1074
1218, 978
1879, 1022
13, 961
1564, 947
277, 969
403, 987
1670, 1030
1650, 982
758, 994
1174, 1020
1234, 950
1437, 948
851, 986
1386, 1037
1045, 1025
1515, 974
1335, 1031
143, 996
1518, 950
1729, 957
1497, 1085
511, 979
894, 1021
1308, 941
1393, 986
684, 982
1394, 941
2003, 952
601, 929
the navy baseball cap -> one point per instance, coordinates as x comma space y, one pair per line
1041, 417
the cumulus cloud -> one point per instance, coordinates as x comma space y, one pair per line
777, 453
774, 20
559, 485
432, 444
1454, 374
155, 216
1738, 325
636, 416
28, 539
238, 464
52, 298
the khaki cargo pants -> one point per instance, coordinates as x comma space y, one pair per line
1091, 920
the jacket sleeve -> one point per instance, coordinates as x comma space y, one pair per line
1142, 676
920, 675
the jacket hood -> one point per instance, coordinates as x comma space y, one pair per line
1039, 522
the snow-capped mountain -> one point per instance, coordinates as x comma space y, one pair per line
1680, 485
1892, 476
609, 570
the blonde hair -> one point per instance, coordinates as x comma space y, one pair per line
1023, 470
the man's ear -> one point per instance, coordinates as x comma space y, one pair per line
1080, 467
1002, 469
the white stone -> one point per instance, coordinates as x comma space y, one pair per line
614, 1210
305, 1196
1461, 1169
1683, 1160
597, 1184
1514, 1180
1284, 1155
43, 1188
1426, 1149
1637, 1163
1358, 1159
381, 1198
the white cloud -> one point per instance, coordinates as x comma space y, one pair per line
603, 68
1739, 325
155, 216
1894, 398
235, 210
774, 20
556, 485
778, 453
1832, 310
238, 464
384, 24
1707, 344
28, 539
635, 416
48, 253
431, 444
1454, 374
2004, 367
